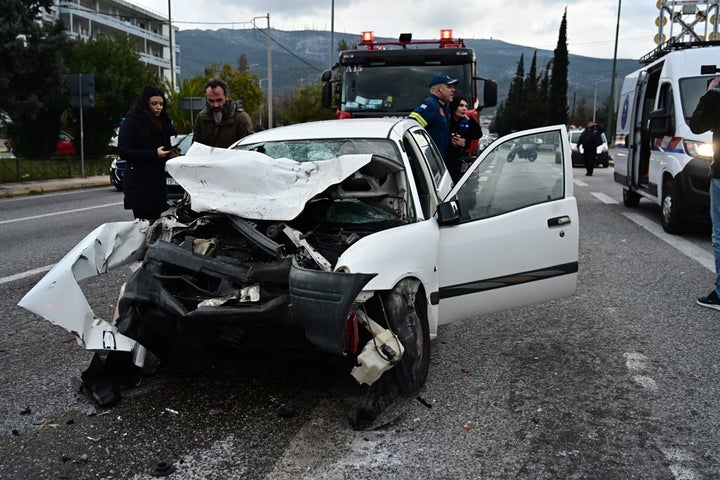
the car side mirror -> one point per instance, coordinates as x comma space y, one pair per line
448, 213
659, 124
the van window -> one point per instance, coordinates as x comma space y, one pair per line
666, 103
691, 89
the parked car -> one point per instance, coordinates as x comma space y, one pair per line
603, 157
65, 144
350, 232
175, 191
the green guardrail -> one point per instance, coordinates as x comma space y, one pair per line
23, 169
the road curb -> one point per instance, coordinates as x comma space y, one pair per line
39, 188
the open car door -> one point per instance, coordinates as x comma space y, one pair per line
511, 238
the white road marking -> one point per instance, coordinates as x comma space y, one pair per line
676, 456
648, 383
29, 273
44, 215
46, 268
604, 198
703, 257
635, 361
579, 182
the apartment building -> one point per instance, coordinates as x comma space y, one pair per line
150, 30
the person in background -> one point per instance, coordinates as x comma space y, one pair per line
144, 142
221, 123
707, 117
463, 130
434, 113
589, 139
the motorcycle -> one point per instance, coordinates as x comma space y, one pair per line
522, 150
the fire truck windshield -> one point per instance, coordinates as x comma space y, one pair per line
387, 88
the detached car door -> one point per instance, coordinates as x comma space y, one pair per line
515, 242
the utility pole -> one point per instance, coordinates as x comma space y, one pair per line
269, 70
610, 127
172, 48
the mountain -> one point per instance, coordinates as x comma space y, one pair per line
299, 57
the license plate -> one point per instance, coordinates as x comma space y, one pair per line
170, 181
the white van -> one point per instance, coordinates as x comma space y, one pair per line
656, 155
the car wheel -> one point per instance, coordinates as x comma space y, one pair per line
630, 198
116, 183
408, 320
406, 316
511, 156
671, 219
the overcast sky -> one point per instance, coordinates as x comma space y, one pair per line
591, 23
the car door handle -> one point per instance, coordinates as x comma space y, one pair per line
558, 221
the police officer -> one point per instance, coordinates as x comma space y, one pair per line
434, 113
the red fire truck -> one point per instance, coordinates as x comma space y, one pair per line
391, 78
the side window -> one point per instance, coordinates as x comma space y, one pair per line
666, 102
434, 160
421, 174
518, 173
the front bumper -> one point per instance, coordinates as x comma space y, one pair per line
171, 292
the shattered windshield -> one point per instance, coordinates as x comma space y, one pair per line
324, 149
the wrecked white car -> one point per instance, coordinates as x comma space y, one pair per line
349, 230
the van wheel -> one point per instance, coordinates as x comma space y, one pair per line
630, 199
672, 221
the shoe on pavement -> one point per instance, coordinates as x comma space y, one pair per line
711, 300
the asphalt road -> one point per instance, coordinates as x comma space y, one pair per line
616, 382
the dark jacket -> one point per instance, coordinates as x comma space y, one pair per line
144, 183
235, 124
707, 117
434, 116
453, 157
588, 140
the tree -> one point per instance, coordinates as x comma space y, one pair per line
557, 95
183, 119
511, 110
117, 84
532, 113
31, 87
304, 105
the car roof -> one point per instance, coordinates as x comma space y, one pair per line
349, 128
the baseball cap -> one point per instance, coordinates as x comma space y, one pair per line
439, 78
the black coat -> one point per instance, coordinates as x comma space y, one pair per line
454, 155
144, 183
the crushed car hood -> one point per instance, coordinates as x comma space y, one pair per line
253, 185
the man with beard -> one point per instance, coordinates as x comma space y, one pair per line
220, 123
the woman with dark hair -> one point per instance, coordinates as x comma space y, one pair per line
463, 130
144, 142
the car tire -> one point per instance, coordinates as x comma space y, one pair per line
406, 315
408, 320
116, 183
630, 199
671, 218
